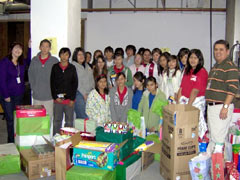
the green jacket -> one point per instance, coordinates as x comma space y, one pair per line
151, 118
112, 76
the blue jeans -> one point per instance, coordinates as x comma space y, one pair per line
9, 108
80, 106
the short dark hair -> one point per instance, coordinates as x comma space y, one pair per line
119, 50
64, 50
108, 49
156, 50
131, 47
221, 41
45, 41
118, 55
98, 78
141, 50
120, 74
20, 58
199, 55
75, 53
151, 79
88, 53
147, 50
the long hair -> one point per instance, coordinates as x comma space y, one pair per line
21, 57
172, 58
96, 70
199, 55
75, 54
141, 78
167, 56
98, 78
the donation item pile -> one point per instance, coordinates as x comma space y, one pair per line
31, 123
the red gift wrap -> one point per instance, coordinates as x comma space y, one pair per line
23, 111
217, 166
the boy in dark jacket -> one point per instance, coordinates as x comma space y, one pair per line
64, 83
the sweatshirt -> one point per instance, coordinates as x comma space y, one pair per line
85, 78
39, 77
118, 110
64, 82
151, 118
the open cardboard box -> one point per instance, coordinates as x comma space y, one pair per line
148, 155
63, 155
35, 166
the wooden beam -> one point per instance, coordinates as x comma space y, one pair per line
3, 39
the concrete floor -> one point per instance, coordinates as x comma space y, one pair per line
151, 173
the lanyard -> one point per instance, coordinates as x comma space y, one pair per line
18, 70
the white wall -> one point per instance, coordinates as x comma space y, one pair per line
153, 3
163, 29
55, 18
237, 22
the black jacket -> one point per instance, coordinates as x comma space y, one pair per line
64, 82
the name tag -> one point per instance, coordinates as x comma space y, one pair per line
18, 80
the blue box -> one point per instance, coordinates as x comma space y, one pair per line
203, 146
95, 159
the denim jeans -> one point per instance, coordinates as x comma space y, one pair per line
80, 106
9, 108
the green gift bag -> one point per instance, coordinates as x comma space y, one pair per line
80, 173
155, 139
117, 138
9, 159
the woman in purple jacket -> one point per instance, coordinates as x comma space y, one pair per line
12, 86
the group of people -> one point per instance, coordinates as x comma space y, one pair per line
106, 86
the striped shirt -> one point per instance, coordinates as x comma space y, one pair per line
222, 81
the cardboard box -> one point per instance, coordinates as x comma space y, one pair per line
63, 155
180, 140
9, 159
23, 111
34, 167
148, 155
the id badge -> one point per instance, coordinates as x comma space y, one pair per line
18, 80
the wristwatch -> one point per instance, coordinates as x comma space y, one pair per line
225, 106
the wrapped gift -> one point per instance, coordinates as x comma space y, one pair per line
200, 167
117, 138
32, 126
29, 131
86, 125
129, 168
9, 159
232, 172
79, 173
23, 111
217, 166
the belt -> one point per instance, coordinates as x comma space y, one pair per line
214, 103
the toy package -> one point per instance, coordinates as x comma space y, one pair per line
116, 127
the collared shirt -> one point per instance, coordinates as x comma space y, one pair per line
222, 81
194, 81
